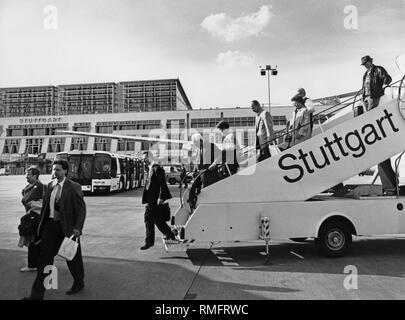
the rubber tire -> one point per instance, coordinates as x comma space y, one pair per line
121, 186
172, 181
338, 226
299, 239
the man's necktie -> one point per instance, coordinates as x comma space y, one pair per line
148, 179
57, 201
58, 192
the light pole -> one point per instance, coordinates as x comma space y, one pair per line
269, 70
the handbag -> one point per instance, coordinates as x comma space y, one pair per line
29, 224
163, 210
68, 248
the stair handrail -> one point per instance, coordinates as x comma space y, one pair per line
356, 99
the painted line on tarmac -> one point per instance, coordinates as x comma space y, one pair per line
224, 259
297, 255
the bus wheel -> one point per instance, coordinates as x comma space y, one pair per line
172, 181
122, 185
299, 239
334, 238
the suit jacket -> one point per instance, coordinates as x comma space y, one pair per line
32, 192
72, 207
264, 129
379, 77
158, 187
301, 126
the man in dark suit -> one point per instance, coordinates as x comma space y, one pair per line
208, 157
62, 215
155, 194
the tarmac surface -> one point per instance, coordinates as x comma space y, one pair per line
115, 268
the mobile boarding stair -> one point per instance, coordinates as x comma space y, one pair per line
344, 146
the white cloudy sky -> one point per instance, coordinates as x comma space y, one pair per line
214, 47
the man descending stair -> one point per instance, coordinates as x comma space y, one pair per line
264, 130
374, 79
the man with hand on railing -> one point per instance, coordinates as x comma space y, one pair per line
309, 104
264, 130
230, 149
300, 124
374, 79
208, 157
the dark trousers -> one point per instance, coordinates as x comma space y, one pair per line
152, 218
52, 238
183, 180
233, 168
264, 154
33, 255
371, 103
387, 175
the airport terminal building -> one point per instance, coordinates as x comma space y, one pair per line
31, 116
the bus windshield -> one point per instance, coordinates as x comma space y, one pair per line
102, 166
86, 165
74, 164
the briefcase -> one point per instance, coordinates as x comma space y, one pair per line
163, 210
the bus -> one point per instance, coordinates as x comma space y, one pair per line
100, 171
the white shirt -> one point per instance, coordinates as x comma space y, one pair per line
149, 175
53, 196
367, 81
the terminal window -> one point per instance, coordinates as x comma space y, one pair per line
11, 146
79, 143
56, 144
33, 146
102, 144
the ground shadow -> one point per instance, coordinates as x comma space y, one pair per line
111, 279
380, 257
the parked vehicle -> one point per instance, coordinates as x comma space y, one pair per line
173, 173
4, 172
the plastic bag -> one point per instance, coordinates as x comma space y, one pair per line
68, 248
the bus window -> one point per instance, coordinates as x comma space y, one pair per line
122, 165
131, 166
86, 166
102, 166
113, 167
74, 163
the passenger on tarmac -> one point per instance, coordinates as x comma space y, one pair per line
63, 214
32, 201
374, 79
155, 194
